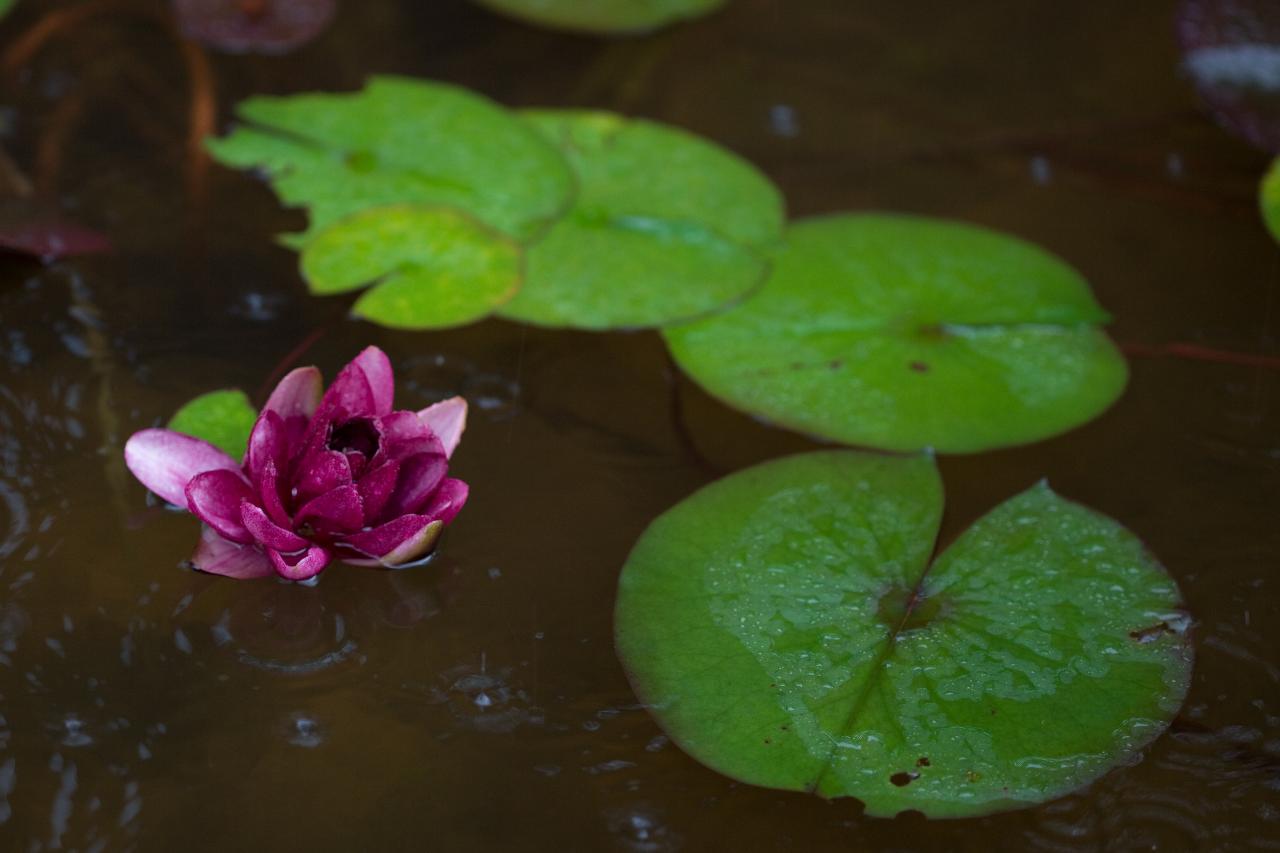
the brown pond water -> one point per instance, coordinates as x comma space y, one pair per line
477, 704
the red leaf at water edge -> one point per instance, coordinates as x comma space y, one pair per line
254, 26
1231, 51
50, 239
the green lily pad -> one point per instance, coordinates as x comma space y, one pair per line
433, 267
222, 418
786, 628
1269, 199
401, 141
6, 6
603, 16
666, 226
903, 333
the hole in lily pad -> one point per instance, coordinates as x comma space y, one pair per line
800, 600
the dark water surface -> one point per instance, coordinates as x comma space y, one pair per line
477, 704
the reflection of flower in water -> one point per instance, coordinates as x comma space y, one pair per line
300, 630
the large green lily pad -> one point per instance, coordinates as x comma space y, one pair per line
603, 16
1269, 199
223, 418
401, 141
786, 627
433, 267
666, 226
902, 333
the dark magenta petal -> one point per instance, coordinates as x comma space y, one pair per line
297, 395
268, 442
402, 540
267, 532
165, 461
268, 486
350, 393
31, 232
215, 497
420, 475
334, 513
446, 419
318, 473
377, 372
376, 488
217, 556
301, 567
404, 435
447, 501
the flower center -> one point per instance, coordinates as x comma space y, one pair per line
358, 435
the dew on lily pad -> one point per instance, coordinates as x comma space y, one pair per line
433, 267
1269, 199
902, 333
603, 16
400, 141
666, 226
223, 418
789, 627
254, 26
1231, 51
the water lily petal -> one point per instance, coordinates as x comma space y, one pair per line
267, 532
215, 497
301, 567
268, 442
447, 419
165, 461
298, 394
381, 379
447, 501
350, 393
402, 540
405, 434
376, 488
334, 513
420, 475
268, 487
320, 472
217, 556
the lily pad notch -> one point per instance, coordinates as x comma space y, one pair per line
789, 627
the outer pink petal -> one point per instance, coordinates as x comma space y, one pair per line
217, 556
447, 419
268, 442
402, 540
269, 534
447, 501
165, 461
301, 568
382, 383
215, 498
298, 394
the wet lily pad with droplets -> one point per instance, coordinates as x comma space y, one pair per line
400, 141
222, 418
430, 268
1269, 199
903, 333
603, 16
789, 627
666, 226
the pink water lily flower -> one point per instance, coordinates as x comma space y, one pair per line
341, 476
